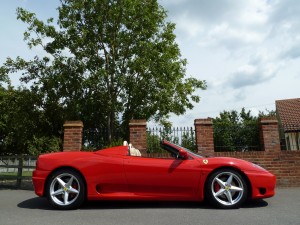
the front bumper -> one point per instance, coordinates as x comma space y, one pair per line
262, 183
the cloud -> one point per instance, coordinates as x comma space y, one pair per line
202, 10
292, 53
285, 10
248, 51
284, 18
234, 26
188, 26
240, 96
250, 75
244, 76
231, 38
261, 35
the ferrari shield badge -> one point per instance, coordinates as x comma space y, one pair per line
205, 161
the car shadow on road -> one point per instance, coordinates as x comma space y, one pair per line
42, 204
161, 204
35, 203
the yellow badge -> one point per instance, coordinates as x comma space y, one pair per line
205, 161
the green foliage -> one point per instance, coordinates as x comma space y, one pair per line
3, 76
180, 136
235, 131
153, 143
155, 136
24, 127
115, 142
40, 145
189, 140
106, 62
267, 113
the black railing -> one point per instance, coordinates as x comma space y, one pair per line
95, 138
238, 137
184, 137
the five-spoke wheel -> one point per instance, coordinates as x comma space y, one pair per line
65, 189
226, 188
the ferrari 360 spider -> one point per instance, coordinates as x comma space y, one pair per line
67, 179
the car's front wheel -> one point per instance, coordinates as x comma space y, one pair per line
226, 189
65, 189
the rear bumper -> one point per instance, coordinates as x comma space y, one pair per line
38, 180
262, 183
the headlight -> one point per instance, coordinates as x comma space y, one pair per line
257, 166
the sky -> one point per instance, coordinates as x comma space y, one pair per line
247, 51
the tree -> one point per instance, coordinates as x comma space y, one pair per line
235, 131
106, 62
267, 113
24, 128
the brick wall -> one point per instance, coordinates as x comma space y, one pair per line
137, 129
269, 135
204, 136
72, 136
284, 164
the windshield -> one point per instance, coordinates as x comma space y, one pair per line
193, 153
178, 147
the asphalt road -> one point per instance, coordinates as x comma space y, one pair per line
19, 207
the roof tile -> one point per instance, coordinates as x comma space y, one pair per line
289, 114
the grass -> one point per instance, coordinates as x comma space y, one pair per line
9, 174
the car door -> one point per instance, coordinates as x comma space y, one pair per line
164, 178
106, 173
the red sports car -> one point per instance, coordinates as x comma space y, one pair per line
67, 179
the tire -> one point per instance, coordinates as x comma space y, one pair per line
226, 189
65, 189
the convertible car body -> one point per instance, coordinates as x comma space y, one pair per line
67, 179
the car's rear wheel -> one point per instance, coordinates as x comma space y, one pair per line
226, 188
65, 189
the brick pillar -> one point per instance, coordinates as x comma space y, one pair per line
137, 129
269, 134
204, 136
72, 136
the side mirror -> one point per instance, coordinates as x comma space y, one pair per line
183, 154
